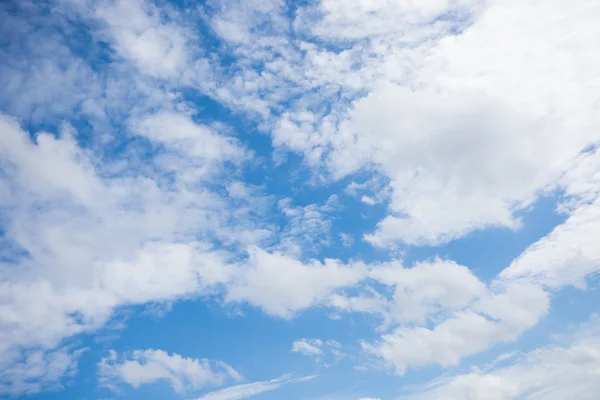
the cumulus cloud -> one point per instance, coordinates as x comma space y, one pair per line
428, 287
141, 367
495, 318
514, 302
90, 230
557, 371
486, 135
282, 285
463, 123
81, 211
307, 347
142, 34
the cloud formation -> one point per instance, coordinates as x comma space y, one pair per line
556, 372
297, 158
141, 367
248, 390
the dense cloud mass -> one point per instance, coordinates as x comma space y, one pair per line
229, 199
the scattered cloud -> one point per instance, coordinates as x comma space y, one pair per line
141, 367
307, 347
141, 33
282, 285
326, 352
346, 239
557, 371
36, 371
132, 174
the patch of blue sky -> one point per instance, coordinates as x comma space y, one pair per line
489, 251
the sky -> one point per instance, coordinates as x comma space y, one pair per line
304, 200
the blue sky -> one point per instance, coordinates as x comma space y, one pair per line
315, 200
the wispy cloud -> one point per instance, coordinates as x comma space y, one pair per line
118, 188
141, 367
248, 390
553, 372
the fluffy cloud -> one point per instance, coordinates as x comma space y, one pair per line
498, 317
307, 347
512, 303
502, 131
143, 205
141, 367
154, 257
427, 288
486, 134
553, 372
238, 22
85, 233
56, 187
177, 131
282, 285
142, 34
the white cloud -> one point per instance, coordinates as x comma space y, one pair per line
308, 227
179, 132
554, 372
461, 152
308, 348
466, 141
282, 285
325, 353
566, 256
248, 390
426, 292
465, 137
369, 301
76, 300
140, 33
194, 152
55, 82
237, 21
142, 367
346, 239
35, 371
156, 255
400, 20
479, 137
501, 315
427, 288
368, 200
514, 302
136, 235
65, 215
